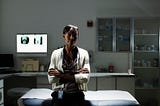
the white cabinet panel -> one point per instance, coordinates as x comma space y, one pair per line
99, 83
42, 82
1, 92
126, 83
92, 83
105, 83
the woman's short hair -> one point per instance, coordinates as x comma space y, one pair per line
70, 29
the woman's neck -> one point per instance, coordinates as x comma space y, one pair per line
69, 49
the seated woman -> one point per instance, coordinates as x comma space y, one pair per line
69, 70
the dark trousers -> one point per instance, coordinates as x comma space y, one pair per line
69, 99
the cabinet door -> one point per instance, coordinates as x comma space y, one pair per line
1, 92
105, 83
92, 83
19, 81
42, 82
126, 84
146, 52
123, 32
105, 34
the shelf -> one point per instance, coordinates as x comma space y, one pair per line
141, 67
146, 51
147, 88
146, 34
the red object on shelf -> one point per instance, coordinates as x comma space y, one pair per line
110, 68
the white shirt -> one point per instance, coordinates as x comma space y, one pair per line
80, 78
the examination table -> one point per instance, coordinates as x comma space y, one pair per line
42, 97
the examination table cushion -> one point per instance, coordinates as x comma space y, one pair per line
42, 97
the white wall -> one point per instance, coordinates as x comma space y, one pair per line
135, 8
49, 16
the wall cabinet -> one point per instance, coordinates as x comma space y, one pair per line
112, 83
16, 81
146, 56
113, 34
146, 52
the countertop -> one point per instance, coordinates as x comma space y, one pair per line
45, 73
111, 74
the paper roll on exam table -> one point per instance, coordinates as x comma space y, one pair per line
42, 97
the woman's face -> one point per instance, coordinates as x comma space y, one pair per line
71, 38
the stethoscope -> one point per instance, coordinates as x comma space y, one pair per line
78, 56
